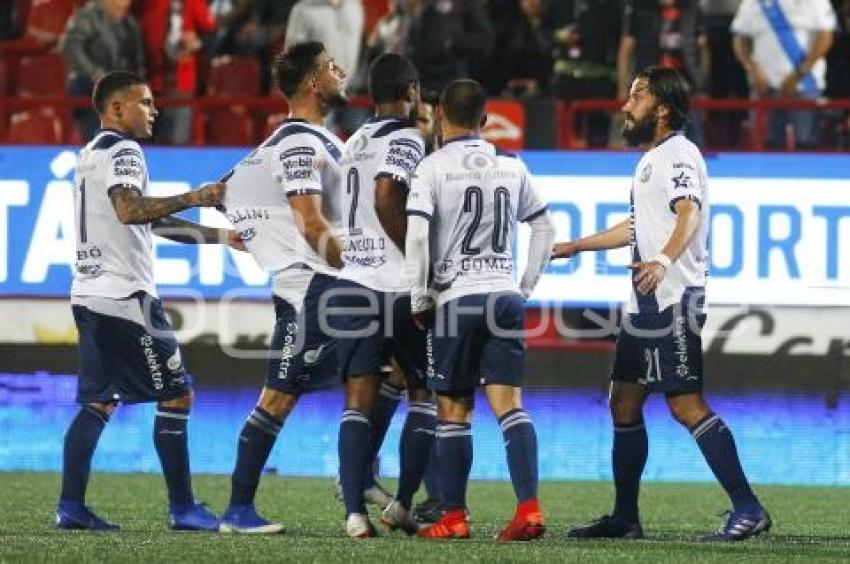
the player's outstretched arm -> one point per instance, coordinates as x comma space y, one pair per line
132, 208
416, 268
612, 238
390, 204
307, 209
648, 275
542, 236
191, 233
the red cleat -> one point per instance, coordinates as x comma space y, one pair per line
452, 525
526, 525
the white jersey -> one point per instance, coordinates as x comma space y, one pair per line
473, 193
805, 18
298, 158
113, 260
672, 171
383, 147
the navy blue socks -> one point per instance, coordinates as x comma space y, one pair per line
78, 450
417, 438
718, 447
454, 462
355, 436
521, 447
628, 458
255, 445
172, 447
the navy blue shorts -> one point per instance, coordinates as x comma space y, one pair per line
477, 340
371, 326
123, 360
302, 357
662, 351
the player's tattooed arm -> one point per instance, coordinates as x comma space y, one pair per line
612, 238
132, 208
307, 210
183, 231
390, 205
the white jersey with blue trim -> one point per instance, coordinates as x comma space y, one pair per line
113, 260
473, 193
672, 171
298, 158
383, 147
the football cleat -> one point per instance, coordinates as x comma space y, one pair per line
523, 528
396, 517
75, 515
452, 525
192, 517
429, 510
742, 525
607, 527
358, 526
378, 496
245, 519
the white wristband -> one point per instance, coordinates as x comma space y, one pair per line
663, 260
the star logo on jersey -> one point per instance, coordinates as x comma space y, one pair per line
646, 172
681, 182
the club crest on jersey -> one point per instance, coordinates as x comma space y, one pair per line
361, 144
477, 160
646, 172
681, 182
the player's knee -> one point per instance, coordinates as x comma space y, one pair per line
503, 399
361, 392
396, 377
105, 408
419, 394
687, 409
455, 408
625, 403
183, 402
278, 404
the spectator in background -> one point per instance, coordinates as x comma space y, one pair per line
449, 39
390, 32
782, 46
172, 31
251, 27
523, 52
667, 33
338, 24
101, 37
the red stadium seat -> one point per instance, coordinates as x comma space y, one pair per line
34, 128
4, 77
46, 19
272, 123
230, 128
41, 75
233, 76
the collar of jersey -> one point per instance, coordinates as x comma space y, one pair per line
462, 138
114, 131
670, 136
378, 119
295, 120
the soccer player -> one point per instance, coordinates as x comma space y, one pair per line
283, 198
372, 302
659, 348
127, 351
464, 203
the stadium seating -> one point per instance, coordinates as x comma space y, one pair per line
230, 128
46, 19
233, 76
41, 75
272, 122
35, 128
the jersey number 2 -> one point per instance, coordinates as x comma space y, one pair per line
353, 190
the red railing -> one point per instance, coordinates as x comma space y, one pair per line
570, 123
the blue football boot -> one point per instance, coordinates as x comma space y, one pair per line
245, 519
192, 517
742, 524
75, 515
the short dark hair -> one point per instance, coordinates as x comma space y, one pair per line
390, 75
111, 83
671, 89
463, 102
294, 64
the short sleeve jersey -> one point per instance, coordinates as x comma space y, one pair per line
297, 159
113, 260
382, 148
672, 171
473, 193
805, 17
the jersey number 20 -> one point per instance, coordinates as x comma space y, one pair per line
473, 202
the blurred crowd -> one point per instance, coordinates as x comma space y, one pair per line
521, 49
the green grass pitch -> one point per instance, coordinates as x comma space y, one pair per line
810, 525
